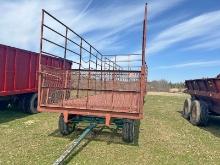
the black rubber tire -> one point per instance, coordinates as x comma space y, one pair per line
65, 128
199, 113
187, 108
128, 131
21, 103
3, 105
31, 103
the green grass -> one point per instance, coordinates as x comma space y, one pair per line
165, 138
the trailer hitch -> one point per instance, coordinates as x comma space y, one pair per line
74, 144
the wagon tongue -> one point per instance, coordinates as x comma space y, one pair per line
74, 144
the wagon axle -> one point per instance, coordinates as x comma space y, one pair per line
128, 126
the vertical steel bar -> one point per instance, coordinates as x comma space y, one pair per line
39, 62
144, 36
109, 74
96, 63
80, 63
113, 86
101, 70
65, 50
65, 87
47, 95
143, 67
89, 74
64, 67
104, 73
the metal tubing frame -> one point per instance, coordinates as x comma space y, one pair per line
112, 69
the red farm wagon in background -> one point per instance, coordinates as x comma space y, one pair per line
204, 101
101, 89
19, 78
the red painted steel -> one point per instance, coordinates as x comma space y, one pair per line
110, 86
18, 70
207, 89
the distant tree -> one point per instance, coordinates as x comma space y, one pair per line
163, 85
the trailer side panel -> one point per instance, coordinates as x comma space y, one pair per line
19, 68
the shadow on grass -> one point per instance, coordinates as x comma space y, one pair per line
102, 134
99, 134
213, 125
8, 115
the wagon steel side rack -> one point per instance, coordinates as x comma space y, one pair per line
107, 89
96, 81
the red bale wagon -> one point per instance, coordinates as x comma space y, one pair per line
101, 89
19, 79
204, 101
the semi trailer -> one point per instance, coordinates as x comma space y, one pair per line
204, 100
19, 77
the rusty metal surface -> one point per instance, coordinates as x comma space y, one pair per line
96, 83
207, 89
207, 85
119, 102
15, 62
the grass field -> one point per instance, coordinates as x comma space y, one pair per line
165, 138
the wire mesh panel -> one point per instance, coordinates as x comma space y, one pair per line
105, 89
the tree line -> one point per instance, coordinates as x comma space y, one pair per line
165, 86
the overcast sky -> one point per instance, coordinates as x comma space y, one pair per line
183, 35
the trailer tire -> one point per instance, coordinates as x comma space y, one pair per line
3, 105
199, 113
32, 104
187, 108
21, 103
128, 131
65, 128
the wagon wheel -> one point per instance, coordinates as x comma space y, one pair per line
128, 131
65, 128
32, 104
187, 108
199, 113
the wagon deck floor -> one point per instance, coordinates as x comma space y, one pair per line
126, 102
